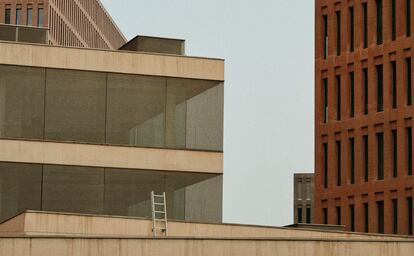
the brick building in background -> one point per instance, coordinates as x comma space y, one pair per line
77, 23
364, 115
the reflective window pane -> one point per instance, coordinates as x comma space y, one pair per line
20, 189
73, 189
194, 114
75, 106
21, 102
136, 110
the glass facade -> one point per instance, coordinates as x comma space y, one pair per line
107, 108
122, 192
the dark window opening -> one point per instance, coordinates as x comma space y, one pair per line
380, 156
338, 33
393, 21
380, 88
365, 11
408, 17
325, 37
352, 159
338, 163
394, 153
351, 30
394, 83
7, 16
308, 215
338, 97
394, 216
366, 217
410, 215
379, 21
352, 216
352, 93
380, 216
325, 100
299, 215
325, 215
409, 151
366, 171
365, 74
325, 165
338, 215
408, 82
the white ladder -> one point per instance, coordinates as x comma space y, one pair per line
159, 214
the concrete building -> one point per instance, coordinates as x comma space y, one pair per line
303, 198
364, 115
77, 23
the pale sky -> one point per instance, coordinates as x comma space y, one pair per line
268, 46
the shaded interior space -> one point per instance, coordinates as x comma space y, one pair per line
107, 108
106, 191
23, 34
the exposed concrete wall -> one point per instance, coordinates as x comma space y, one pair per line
197, 247
111, 61
110, 156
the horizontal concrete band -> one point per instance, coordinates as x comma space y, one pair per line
111, 61
19, 151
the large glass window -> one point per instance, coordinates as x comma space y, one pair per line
73, 189
21, 102
106, 108
75, 106
136, 110
20, 188
90, 190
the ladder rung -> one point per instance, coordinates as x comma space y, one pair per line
159, 203
163, 220
162, 228
158, 195
159, 211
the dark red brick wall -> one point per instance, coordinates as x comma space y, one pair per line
356, 127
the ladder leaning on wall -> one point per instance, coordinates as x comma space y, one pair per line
159, 214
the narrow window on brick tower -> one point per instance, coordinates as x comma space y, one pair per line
338, 215
380, 156
393, 20
394, 216
325, 100
365, 90
351, 29
325, 165
325, 36
380, 88
338, 33
365, 152
366, 217
410, 215
308, 215
394, 83
338, 97
325, 215
351, 94
408, 17
379, 21
29, 15
352, 160
365, 26
408, 80
380, 217
7, 15
352, 217
300, 215
409, 151
18, 15
394, 153
338, 163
